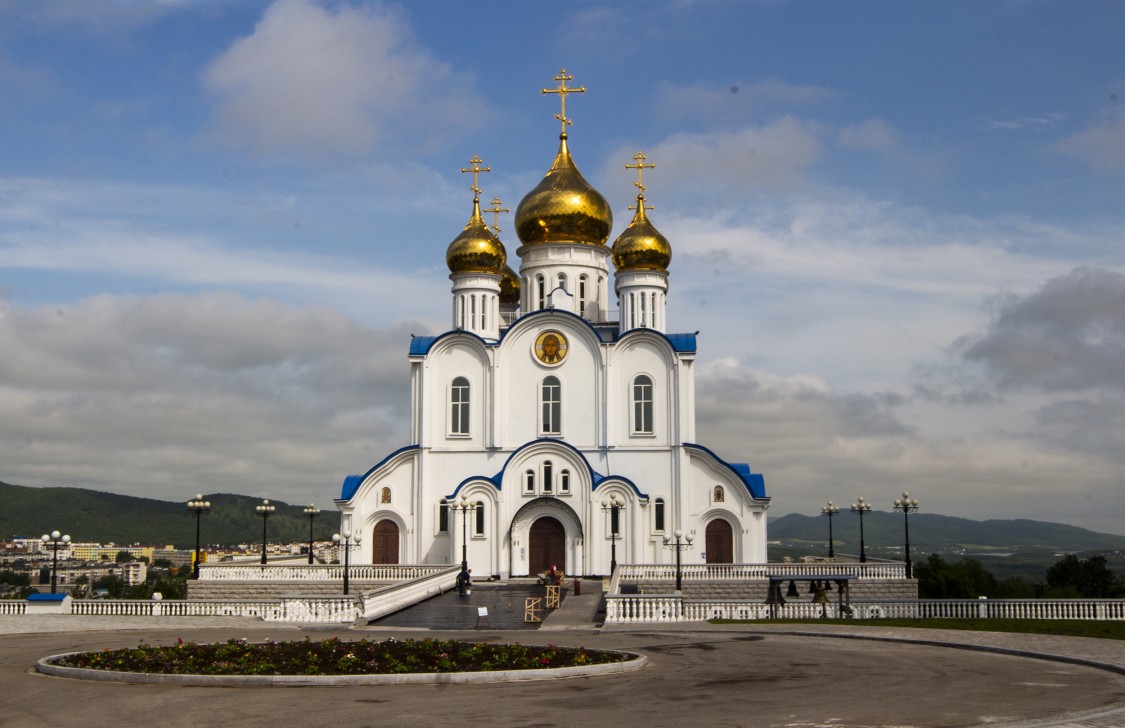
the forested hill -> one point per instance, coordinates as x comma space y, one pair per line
89, 515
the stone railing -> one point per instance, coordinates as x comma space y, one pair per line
381, 602
761, 572
634, 608
315, 572
12, 606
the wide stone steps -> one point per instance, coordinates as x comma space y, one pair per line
504, 602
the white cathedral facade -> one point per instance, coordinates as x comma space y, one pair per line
554, 422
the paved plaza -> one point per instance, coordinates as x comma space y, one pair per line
700, 675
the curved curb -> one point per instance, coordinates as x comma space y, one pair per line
46, 666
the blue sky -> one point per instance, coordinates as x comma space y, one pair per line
897, 226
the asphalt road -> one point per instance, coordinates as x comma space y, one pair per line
696, 679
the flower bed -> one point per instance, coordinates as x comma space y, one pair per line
333, 657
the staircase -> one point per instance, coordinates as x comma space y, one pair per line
503, 600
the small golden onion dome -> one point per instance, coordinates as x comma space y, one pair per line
476, 249
641, 246
509, 286
563, 207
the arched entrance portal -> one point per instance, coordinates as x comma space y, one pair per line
384, 543
720, 542
547, 545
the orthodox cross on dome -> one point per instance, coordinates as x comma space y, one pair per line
496, 210
562, 91
476, 169
640, 166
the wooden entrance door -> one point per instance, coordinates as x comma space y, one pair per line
720, 542
384, 543
547, 545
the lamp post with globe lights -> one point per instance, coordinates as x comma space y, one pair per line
348, 542
829, 509
678, 546
198, 507
612, 505
55, 538
463, 506
312, 512
265, 510
861, 507
907, 505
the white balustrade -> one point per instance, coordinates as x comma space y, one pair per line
388, 599
315, 572
761, 572
11, 606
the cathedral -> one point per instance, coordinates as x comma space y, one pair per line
553, 424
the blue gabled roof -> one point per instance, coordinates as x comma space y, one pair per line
420, 345
682, 343
755, 482
352, 482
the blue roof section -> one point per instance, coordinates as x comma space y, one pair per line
352, 482
681, 343
755, 482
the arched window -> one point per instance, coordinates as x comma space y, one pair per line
551, 406
582, 280
443, 517
529, 481
658, 514
473, 311
459, 407
720, 495
548, 477
540, 292
461, 312
478, 524
644, 311
564, 481
642, 405
562, 281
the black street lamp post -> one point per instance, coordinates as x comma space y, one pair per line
199, 507
861, 507
613, 505
678, 546
463, 506
348, 542
831, 511
312, 512
265, 510
907, 505
55, 538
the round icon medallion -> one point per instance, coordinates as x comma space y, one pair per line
550, 348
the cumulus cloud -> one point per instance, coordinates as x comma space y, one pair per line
169, 394
873, 135
313, 81
1069, 335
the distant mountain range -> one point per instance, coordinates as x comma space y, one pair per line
90, 515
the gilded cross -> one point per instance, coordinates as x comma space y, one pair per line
476, 169
496, 210
640, 166
562, 91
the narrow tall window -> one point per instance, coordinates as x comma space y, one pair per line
615, 520
582, 295
642, 405
548, 477
478, 525
461, 312
473, 310
562, 281
552, 406
529, 481
644, 311
564, 481
540, 292
443, 517
459, 407
658, 515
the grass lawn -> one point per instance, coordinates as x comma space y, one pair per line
1069, 628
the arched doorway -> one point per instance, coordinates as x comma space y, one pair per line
547, 545
720, 542
384, 543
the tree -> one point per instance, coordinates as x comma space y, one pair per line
966, 579
123, 557
1090, 578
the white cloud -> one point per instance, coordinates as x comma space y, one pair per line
1102, 146
873, 134
315, 81
735, 100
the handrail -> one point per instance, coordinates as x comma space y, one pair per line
385, 600
890, 570
315, 572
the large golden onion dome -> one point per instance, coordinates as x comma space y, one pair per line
641, 246
476, 249
563, 207
509, 286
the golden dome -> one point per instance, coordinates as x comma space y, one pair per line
476, 249
563, 207
641, 246
509, 286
